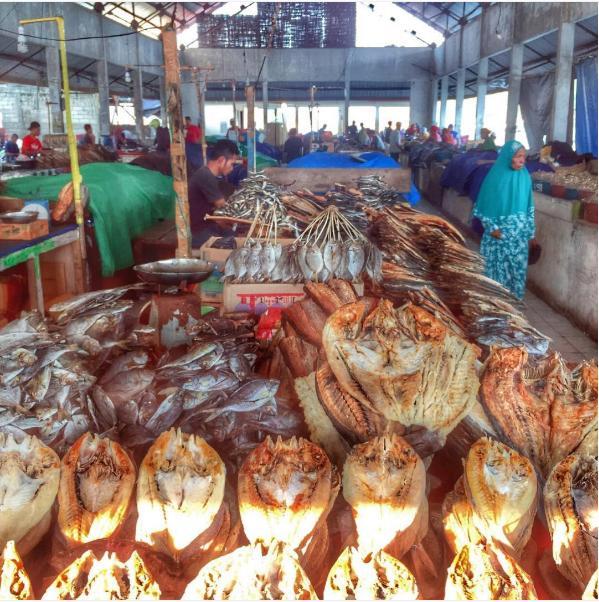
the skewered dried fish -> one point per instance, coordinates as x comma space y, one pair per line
96, 483
481, 571
377, 576
540, 407
501, 486
458, 519
286, 490
180, 492
88, 578
571, 509
384, 481
29, 477
403, 364
14, 580
255, 572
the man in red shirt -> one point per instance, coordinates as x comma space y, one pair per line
32, 145
193, 132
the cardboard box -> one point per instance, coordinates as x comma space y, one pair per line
211, 290
24, 231
219, 256
9, 203
257, 298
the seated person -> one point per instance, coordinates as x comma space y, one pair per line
11, 149
294, 147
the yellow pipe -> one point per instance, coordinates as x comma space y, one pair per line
73, 155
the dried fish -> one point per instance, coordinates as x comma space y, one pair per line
14, 580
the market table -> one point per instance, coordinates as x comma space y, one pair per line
63, 239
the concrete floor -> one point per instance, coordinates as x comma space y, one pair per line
573, 344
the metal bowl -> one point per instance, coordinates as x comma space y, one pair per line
174, 271
19, 217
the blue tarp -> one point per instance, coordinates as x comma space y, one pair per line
371, 160
458, 173
586, 107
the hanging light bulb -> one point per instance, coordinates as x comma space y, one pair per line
21, 41
127, 76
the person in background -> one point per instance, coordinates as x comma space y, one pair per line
32, 145
193, 145
435, 134
395, 141
352, 131
454, 133
505, 207
11, 149
205, 194
488, 140
447, 137
233, 132
363, 137
193, 133
162, 141
388, 131
89, 138
321, 132
294, 146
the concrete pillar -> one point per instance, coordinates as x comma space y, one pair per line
189, 97
377, 124
346, 91
513, 97
103, 83
481, 95
459, 99
54, 88
138, 104
265, 92
297, 117
434, 97
420, 97
563, 80
444, 93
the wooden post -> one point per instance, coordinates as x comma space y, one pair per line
172, 83
249, 98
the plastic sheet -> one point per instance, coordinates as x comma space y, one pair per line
586, 107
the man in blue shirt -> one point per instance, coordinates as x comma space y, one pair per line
11, 150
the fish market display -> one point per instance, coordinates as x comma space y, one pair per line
254, 572
501, 489
401, 364
14, 580
96, 483
255, 194
29, 477
427, 258
378, 576
180, 491
384, 481
540, 407
481, 571
88, 578
570, 497
286, 490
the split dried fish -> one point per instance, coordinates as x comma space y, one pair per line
570, 497
14, 580
88, 578
180, 492
384, 481
376, 576
255, 572
96, 483
29, 478
481, 571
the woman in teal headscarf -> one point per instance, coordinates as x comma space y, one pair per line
505, 207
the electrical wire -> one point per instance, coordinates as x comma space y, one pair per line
113, 35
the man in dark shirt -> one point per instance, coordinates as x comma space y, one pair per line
294, 147
11, 149
205, 194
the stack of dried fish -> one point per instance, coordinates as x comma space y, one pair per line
540, 407
571, 510
256, 193
431, 260
488, 520
14, 580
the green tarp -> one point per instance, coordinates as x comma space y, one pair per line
125, 200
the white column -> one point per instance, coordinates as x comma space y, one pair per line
563, 78
265, 92
347, 91
513, 97
138, 103
163, 110
459, 98
54, 89
103, 83
434, 97
377, 124
481, 94
444, 93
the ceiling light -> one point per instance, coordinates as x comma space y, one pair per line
127, 76
21, 41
